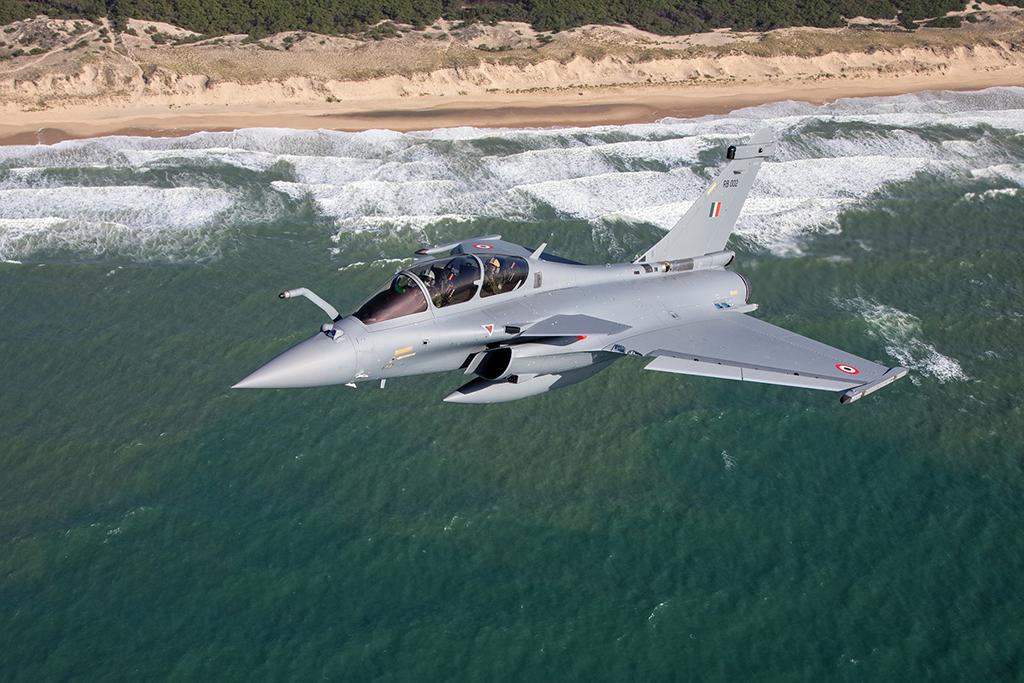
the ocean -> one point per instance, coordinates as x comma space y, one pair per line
155, 524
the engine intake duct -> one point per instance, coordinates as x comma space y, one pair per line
529, 360
482, 391
494, 363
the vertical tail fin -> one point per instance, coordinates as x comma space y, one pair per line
709, 222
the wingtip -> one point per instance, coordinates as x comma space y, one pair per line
857, 393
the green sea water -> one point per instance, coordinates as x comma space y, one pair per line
636, 527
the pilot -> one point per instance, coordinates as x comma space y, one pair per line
429, 278
492, 266
439, 282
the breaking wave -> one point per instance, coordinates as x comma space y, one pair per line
171, 197
900, 332
97, 220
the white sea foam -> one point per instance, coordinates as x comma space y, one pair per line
375, 263
728, 461
415, 223
791, 200
317, 170
830, 158
991, 194
551, 164
169, 208
23, 177
900, 332
96, 220
596, 196
1011, 172
252, 160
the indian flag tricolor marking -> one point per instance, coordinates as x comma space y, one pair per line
716, 208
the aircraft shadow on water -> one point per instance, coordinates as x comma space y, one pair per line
523, 322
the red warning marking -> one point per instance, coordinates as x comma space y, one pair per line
482, 246
848, 369
580, 337
489, 329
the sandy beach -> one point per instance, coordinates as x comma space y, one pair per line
612, 107
588, 76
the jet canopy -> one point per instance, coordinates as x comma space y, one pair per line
444, 282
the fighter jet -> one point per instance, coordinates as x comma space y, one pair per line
520, 321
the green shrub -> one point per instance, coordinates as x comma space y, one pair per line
906, 21
944, 22
264, 17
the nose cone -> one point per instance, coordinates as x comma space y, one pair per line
316, 362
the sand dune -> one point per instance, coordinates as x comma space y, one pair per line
505, 75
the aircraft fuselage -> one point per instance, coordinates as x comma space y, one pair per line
467, 334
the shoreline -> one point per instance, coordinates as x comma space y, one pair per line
563, 108
590, 76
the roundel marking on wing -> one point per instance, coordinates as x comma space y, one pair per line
848, 369
482, 246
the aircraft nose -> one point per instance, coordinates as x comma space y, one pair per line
316, 362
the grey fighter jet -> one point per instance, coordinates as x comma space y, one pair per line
521, 322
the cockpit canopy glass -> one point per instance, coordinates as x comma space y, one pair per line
503, 274
402, 296
449, 281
